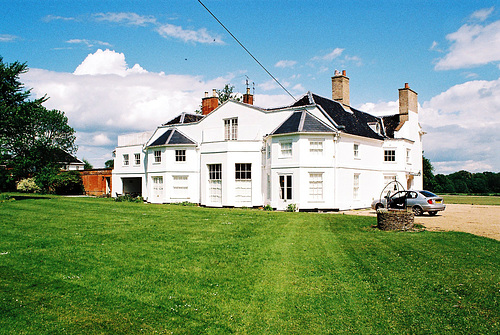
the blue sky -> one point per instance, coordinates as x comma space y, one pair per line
124, 66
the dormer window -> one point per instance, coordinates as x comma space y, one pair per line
231, 129
375, 126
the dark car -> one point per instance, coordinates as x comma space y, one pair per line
419, 201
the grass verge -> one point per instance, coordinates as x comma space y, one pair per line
472, 200
95, 266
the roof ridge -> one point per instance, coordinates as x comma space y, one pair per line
302, 119
172, 130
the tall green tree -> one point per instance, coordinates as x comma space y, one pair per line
428, 174
30, 134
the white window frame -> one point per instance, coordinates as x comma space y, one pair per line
286, 149
157, 156
355, 186
390, 155
243, 171
180, 187
126, 160
215, 183
231, 129
316, 146
355, 149
180, 155
316, 186
243, 182
137, 159
286, 186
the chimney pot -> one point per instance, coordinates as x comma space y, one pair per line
407, 86
214, 92
206, 94
344, 73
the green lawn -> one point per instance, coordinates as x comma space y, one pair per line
94, 266
472, 200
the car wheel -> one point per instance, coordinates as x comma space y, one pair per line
417, 211
433, 213
379, 206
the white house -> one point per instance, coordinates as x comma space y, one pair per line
318, 153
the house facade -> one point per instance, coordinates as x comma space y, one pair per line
318, 154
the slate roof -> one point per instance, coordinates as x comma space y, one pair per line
184, 118
171, 137
302, 121
64, 157
353, 122
391, 122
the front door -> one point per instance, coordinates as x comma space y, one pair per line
157, 189
214, 185
286, 190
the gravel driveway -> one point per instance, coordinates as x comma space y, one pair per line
475, 219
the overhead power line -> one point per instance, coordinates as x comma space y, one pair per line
248, 52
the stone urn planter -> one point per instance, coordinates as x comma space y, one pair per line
395, 219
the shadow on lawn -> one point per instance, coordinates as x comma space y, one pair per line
28, 197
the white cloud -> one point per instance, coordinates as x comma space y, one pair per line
106, 62
330, 56
101, 140
299, 88
461, 124
357, 60
380, 108
482, 14
472, 45
285, 63
268, 85
271, 101
88, 43
165, 30
104, 98
49, 18
435, 47
126, 18
7, 38
187, 35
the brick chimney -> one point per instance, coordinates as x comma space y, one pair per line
408, 101
247, 97
208, 104
340, 88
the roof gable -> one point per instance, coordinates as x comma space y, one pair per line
184, 118
302, 122
171, 137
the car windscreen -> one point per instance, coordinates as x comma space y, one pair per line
427, 194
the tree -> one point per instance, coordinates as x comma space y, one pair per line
428, 175
30, 134
110, 163
227, 94
87, 165
223, 95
